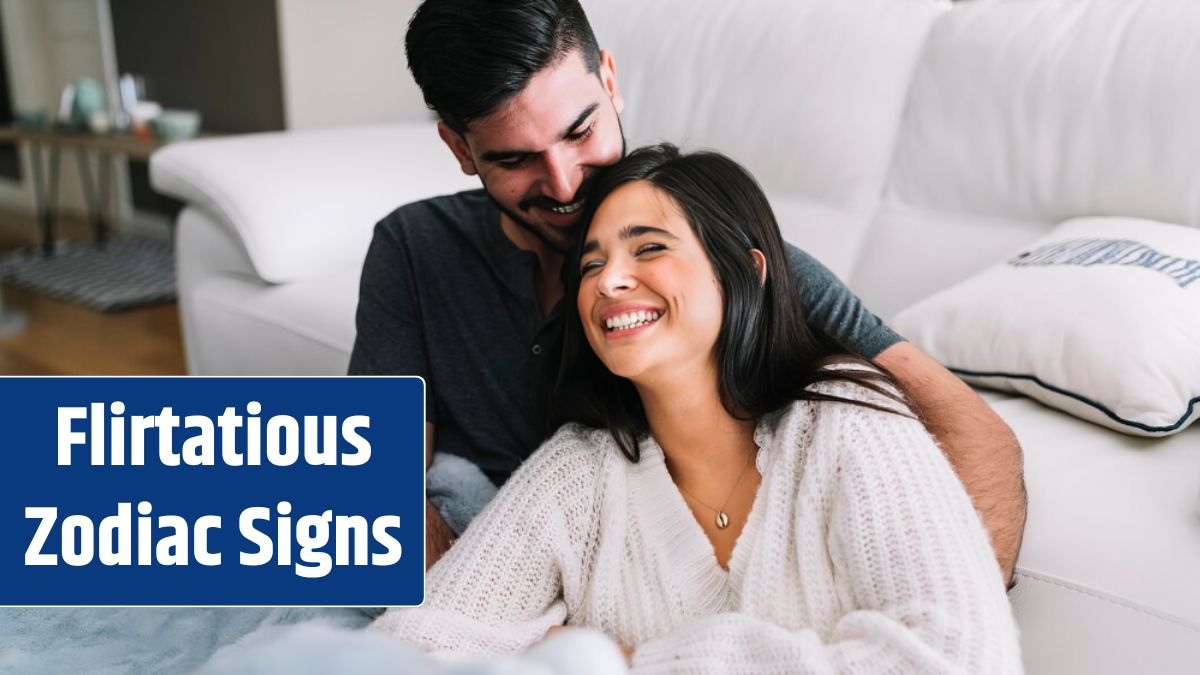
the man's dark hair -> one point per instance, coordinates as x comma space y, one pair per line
471, 56
767, 356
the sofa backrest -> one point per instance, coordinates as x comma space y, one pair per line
1047, 110
1024, 113
807, 94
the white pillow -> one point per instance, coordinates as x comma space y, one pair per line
1100, 318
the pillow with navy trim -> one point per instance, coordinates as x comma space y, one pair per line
1100, 319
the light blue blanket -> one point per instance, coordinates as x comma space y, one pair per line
266, 641
119, 641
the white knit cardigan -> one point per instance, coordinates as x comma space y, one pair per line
862, 553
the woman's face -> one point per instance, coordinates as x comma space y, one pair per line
648, 297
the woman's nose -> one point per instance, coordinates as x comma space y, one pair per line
615, 279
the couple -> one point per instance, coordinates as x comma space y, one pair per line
467, 292
727, 494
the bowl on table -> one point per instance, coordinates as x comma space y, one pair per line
176, 125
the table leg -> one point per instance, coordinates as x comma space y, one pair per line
95, 202
50, 212
39, 197
105, 191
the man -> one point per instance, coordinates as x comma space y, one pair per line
463, 290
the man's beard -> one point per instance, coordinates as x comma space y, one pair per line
560, 244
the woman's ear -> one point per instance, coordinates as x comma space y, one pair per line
760, 264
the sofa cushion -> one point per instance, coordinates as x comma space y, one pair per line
1111, 546
1100, 319
306, 202
830, 235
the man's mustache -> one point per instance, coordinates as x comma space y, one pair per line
545, 202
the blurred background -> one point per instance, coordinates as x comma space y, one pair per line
81, 85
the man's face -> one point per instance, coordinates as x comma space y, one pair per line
536, 153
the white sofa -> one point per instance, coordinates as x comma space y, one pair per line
908, 143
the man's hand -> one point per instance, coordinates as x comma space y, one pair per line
983, 450
438, 536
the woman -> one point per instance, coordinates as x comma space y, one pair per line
724, 496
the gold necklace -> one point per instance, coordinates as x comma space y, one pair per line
722, 517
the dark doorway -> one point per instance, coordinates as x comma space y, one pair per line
220, 57
10, 158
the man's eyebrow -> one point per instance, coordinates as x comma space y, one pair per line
587, 112
501, 155
628, 232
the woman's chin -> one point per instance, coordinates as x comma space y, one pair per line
630, 369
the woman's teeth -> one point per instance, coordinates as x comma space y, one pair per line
632, 320
569, 208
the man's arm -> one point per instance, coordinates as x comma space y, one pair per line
982, 449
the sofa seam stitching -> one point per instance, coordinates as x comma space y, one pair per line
1033, 576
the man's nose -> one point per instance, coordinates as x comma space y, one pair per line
561, 173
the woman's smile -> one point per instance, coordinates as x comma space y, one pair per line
626, 320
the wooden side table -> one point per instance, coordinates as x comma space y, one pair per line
96, 185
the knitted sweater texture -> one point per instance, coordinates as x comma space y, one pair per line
862, 553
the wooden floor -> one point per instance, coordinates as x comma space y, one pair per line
62, 338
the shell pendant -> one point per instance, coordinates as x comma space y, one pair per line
722, 520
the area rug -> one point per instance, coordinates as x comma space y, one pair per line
126, 272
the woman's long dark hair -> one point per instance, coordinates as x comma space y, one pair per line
766, 354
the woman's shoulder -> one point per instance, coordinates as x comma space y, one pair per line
854, 420
571, 443
864, 416
851, 400
574, 453
859, 382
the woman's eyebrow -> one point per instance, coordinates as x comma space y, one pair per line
631, 231
628, 232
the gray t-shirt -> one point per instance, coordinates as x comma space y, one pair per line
447, 296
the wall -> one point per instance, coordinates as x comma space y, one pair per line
343, 63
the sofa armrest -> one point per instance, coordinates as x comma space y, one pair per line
304, 202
